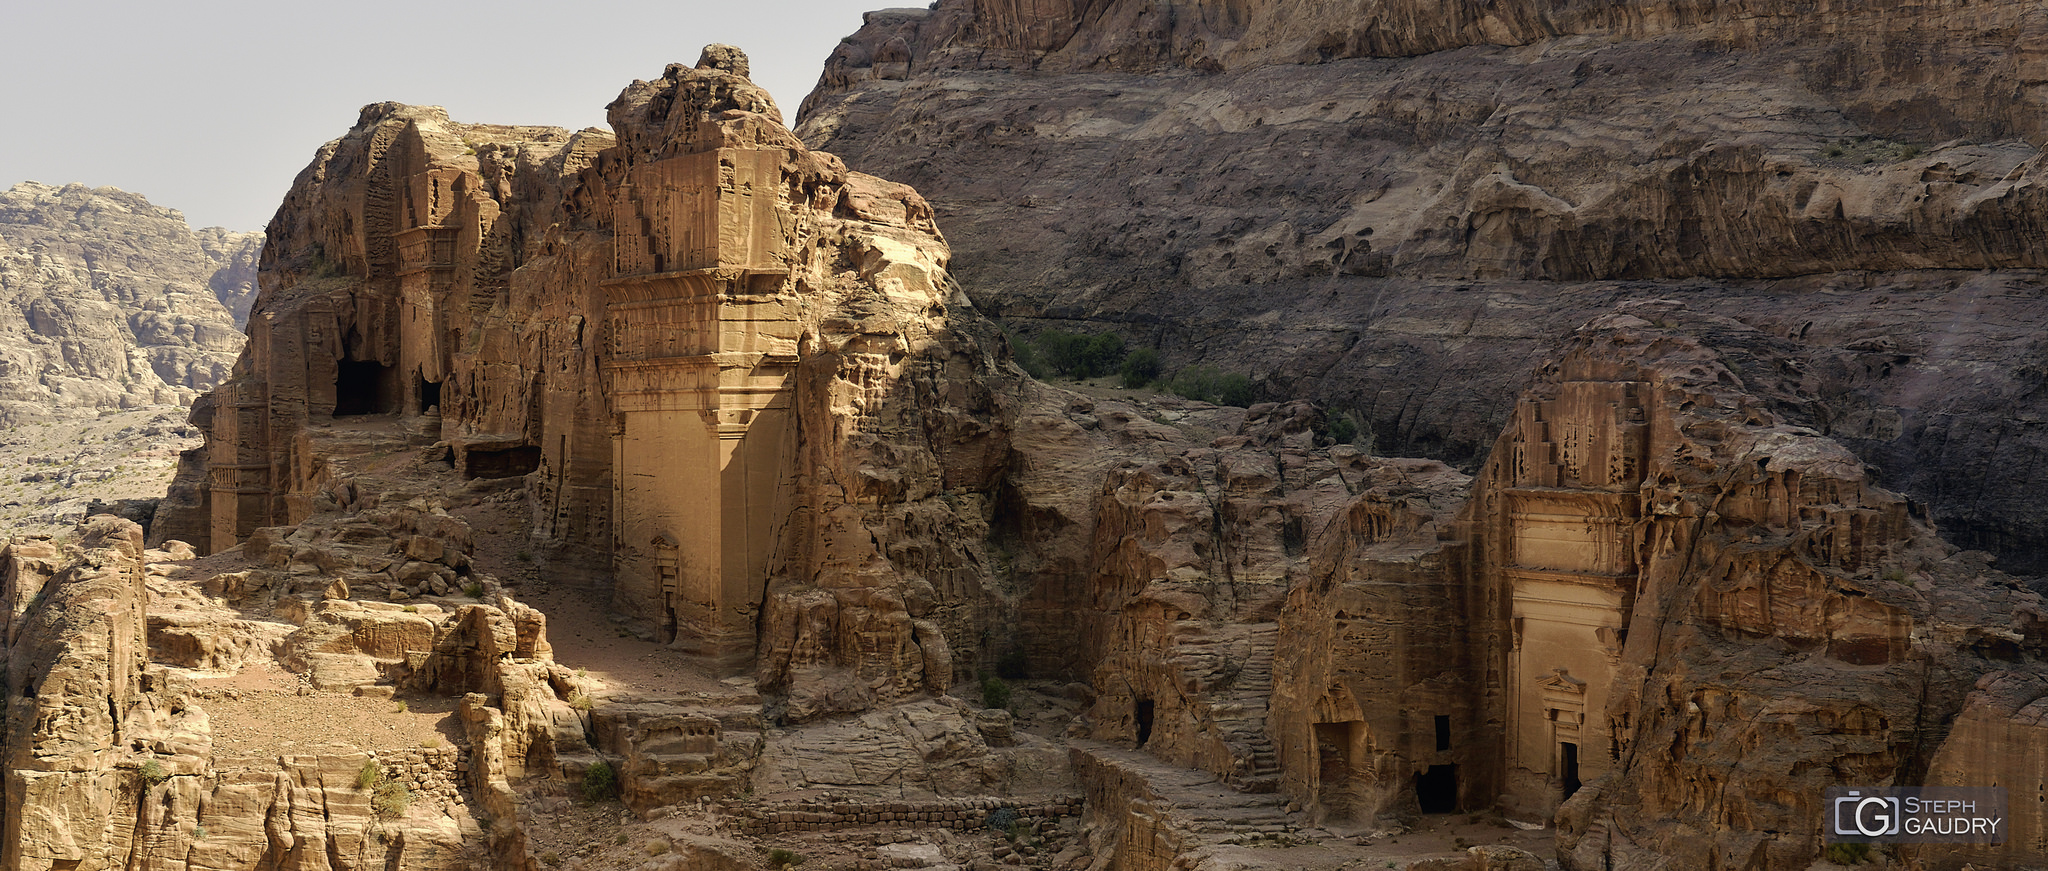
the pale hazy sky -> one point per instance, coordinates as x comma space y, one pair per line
213, 106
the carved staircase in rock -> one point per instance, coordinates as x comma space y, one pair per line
1186, 806
1237, 670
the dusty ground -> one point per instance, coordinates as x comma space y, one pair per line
50, 469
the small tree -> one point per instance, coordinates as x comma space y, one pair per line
1141, 367
391, 799
1209, 385
600, 783
995, 692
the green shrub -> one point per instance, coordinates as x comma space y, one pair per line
1026, 355
1848, 854
778, 858
1075, 355
153, 772
473, 590
995, 692
1204, 384
1343, 429
1141, 367
368, 776
391, 799
600, 783
1000, 819
581, 701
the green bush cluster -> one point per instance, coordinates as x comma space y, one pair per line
1140, 367
391, 799
368, 776
1058, 353
600, 783
1205, 384
995, 692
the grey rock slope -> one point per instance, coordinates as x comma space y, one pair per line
108, 301
1394, 206
114, 315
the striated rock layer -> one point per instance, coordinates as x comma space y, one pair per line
114, 315
111, 302
1384, 204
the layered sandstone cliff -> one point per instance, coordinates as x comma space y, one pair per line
708, 378
113, 302
1385, 205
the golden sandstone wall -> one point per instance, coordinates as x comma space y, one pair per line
749, 408
710, 349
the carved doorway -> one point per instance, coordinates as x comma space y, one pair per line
1335, 791
1142, 712
363, 387
666, 568
1568, 768
1436, 790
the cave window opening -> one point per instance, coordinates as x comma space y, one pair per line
1568, 767
1143, 713
669, 619
361, 387
1443, 732
1436, 790
508, 463
430, 395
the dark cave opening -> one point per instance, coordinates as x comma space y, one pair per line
430, 395
363, 387
1436, 790
507, 463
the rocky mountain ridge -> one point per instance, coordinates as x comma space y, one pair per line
114, 315
1384, 206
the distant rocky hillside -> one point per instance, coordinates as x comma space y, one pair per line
113, 315
108, 301
1397, 207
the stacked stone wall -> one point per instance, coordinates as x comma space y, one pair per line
960, 814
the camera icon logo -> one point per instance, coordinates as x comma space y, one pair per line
1868, 816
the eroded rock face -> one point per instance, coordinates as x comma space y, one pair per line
739, 393
113, 316
1712, 614
114, 302
723, 366
110, 759
1336, 198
